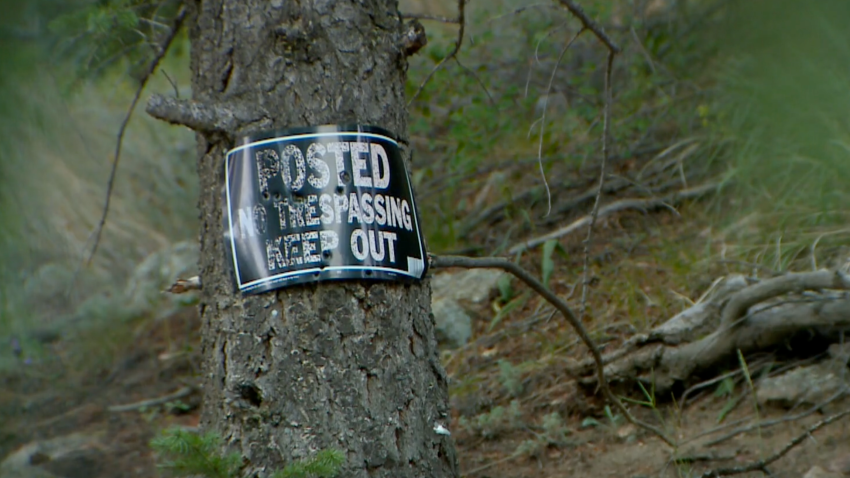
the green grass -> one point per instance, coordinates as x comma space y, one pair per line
784, 103
56, 152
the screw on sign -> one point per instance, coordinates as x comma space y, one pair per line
321, 203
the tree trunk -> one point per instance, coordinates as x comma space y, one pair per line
347, 365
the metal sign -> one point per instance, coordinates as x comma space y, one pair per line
320, 203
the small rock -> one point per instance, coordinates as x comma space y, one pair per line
818, 472
472, 285
453, 324
554, 103
841, 464
156, 273
83, 463
626, 432
805, 385
77, 455
450, 290
840, 353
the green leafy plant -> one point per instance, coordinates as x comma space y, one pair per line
506, 290
496, 422
503, 311
554, 429
510, 378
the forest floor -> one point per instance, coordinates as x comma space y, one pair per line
46, 407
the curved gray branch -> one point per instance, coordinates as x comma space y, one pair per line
770, 288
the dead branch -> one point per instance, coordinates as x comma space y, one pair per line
160, 54
414, 39
202, 117
591, 25
477, 78
763, 463
549, 296
790, 283
153, 402
181, 286
428, 16
621, 205
462, 22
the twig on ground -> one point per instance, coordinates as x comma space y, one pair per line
707, 383
763, 463
160, 54
462, 22
493, 463
770, 423
183, 392
617, 206
572, 319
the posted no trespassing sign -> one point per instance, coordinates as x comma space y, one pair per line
322, 203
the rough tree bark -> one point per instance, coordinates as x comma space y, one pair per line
352, 366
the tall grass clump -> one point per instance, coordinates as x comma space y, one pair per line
56, 150
784, 101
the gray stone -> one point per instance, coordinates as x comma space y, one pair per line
454, 325
472, 285
818, 472
76, 455
803, 386
454, 294
840, 353
554, 104
841, 464
156, 273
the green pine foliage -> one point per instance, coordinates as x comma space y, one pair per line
326, 464
183, 453
102, 34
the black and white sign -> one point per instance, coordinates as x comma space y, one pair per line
312, 204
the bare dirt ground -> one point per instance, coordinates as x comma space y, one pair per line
44, 401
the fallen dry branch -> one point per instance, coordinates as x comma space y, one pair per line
624, 204
695, 341
763, 463
790, 283
549, 296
